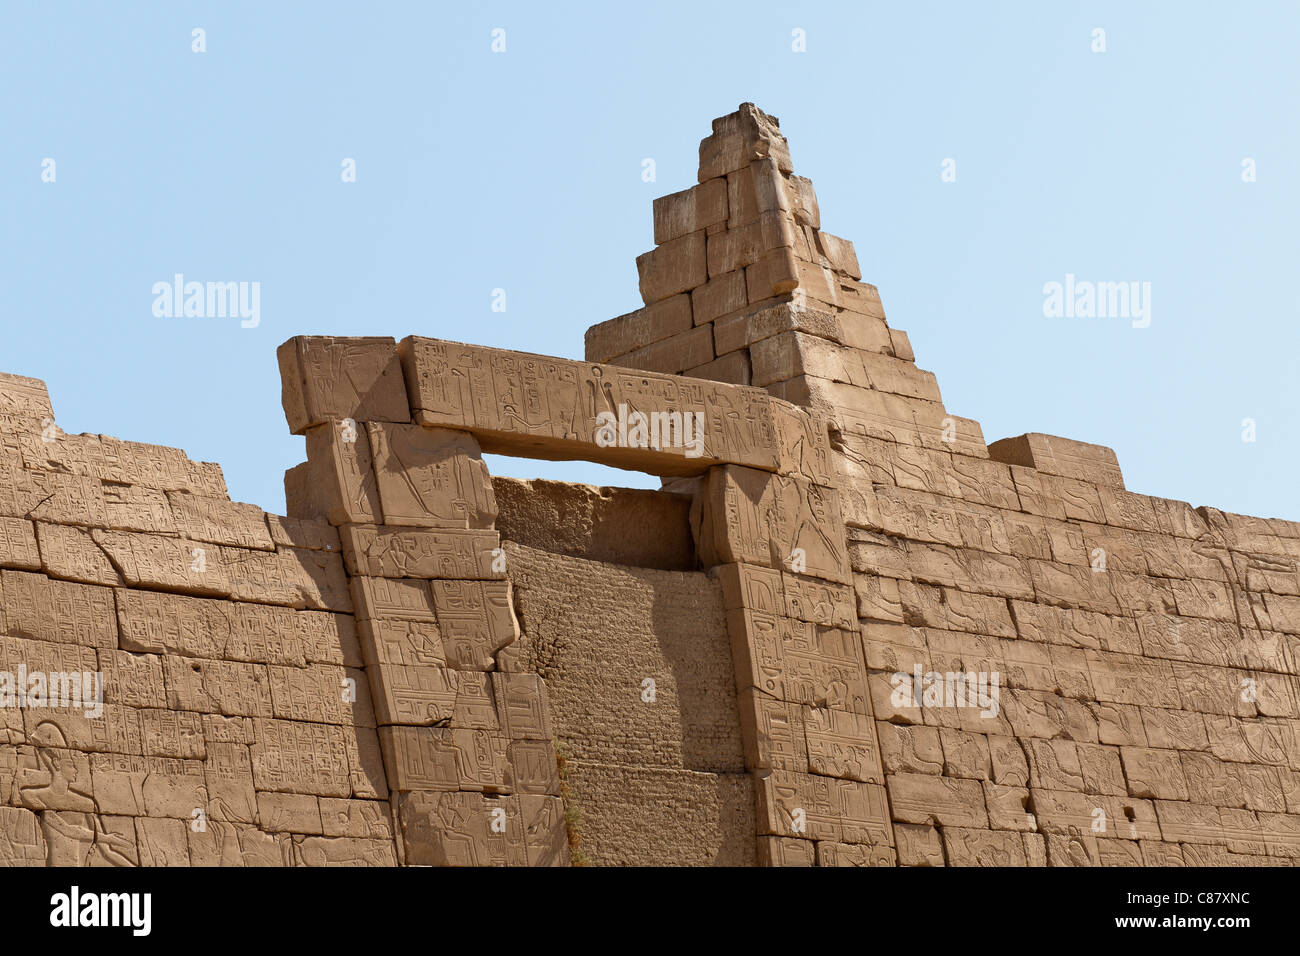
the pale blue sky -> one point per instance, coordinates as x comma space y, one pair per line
522, 171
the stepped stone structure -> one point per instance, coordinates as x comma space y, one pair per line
846, 631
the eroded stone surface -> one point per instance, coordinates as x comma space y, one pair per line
845, 633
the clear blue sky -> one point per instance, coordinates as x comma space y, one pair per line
522, 171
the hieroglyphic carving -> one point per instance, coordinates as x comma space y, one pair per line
517, 403
431, 477
422, 553
329, 379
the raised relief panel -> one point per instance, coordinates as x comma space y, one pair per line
18, 547
770, 520
341, 474
842, 744
297, 757
532, 405
522, 706
328, 379
466, 829
476, 620
797, 661
65, 552
379, 598
431, 477
823, 808
35, 607
421, 553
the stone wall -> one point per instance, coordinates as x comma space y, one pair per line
846, 632
1146, 650
235, 727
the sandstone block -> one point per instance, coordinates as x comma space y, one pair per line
690, 210
678, 265
328, 379
635, 330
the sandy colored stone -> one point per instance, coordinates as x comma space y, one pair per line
560, 421
636, 330
328, 379
431, 477
679, 214
709, 673
18, 548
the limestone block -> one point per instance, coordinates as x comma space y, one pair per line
786, 851
386, 598
918, 845
922, 798
231, 688
359, 819
842, 744
778, 592
839, 255
910, 748
684, 350
413, 694
322, 693
967, 847
71, 553
293, 757
1060, 456
307, 533
732, 367
342, 851
162, 841
289, 813
437, 758
220, 521
854, 854
772, 732
1124, 818
522, 706
235, 844
23, 397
